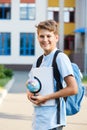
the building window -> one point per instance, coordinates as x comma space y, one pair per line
5, 10
72, 17
27, 10
69, 42
56, 16
27, 44
5, 44
69, 15
53, 15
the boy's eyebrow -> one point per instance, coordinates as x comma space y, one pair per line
41, 35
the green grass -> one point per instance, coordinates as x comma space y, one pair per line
84, 80
4, 81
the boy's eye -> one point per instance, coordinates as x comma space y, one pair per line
48, 36
42, 36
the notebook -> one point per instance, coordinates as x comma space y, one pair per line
45, 75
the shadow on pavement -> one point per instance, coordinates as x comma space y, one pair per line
14, 116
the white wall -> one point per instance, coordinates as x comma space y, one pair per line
15, 26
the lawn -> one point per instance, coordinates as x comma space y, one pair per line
84, 80
4, 81
5, 75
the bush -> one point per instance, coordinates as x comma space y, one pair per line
1, 68
2, 75
8, 72
4, 72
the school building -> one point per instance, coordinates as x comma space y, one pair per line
18, 39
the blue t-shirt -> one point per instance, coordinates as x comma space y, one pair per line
45, 117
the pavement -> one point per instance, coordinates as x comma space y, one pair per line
16, 111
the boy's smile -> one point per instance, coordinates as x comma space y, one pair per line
47, 40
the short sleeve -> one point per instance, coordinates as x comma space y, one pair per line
64, 65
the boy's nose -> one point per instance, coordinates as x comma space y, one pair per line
45, 38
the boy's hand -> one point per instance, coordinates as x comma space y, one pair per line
38, 100
29, 95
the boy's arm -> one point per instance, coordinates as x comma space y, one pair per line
70, 89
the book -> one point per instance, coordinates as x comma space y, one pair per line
45, 75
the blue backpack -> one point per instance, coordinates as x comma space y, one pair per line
73, 103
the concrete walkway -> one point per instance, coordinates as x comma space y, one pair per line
78, 121
16, 111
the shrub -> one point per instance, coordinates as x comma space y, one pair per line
1, 68
2, 75
4, 72
8, 72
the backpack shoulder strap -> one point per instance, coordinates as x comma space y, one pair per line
58, 82
56, 71
39, 60
55, 68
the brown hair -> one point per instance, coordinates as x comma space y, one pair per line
49, 25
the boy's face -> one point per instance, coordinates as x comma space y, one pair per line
47, 40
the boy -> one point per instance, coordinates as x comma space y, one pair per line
45, 117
